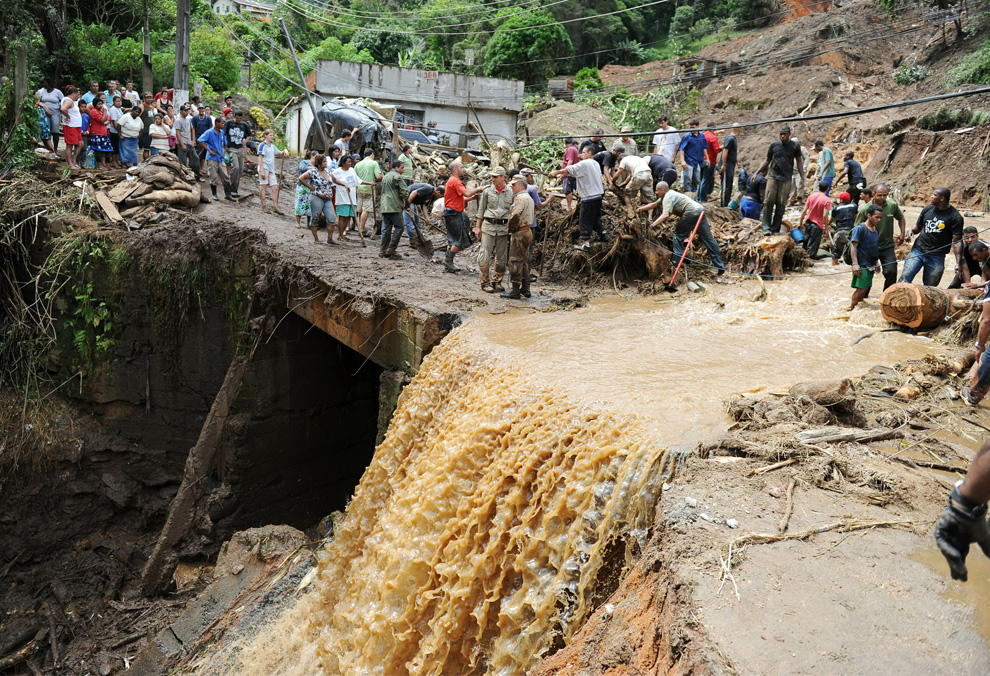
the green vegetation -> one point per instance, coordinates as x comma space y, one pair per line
526, 54
588, 79
906, 75
953, 118
974, 67
17, 133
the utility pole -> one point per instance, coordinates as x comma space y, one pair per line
180, 95
147, 81
309, 94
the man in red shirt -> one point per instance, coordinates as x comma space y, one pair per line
707, 182
571, 156
818, 214
455, 197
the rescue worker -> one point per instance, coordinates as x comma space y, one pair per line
492, 228
688, 212
394, 194
521, 215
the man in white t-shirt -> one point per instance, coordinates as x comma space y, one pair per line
185, 148
588, 175
635, 177
665, 144
131, 95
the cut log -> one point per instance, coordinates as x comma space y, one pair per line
833, 435
963, 360
914, 306
775, 247
108, 208
838, 394
122, 191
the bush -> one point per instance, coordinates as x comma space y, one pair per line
701, 28
975, 67
682, 22
952, 118
906, 75
588, 79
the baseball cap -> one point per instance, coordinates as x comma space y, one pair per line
226, 110
519, 178
527, 172
184, 106
845, 197
625, 129
498, 171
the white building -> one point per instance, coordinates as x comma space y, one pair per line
464, 108
259, 11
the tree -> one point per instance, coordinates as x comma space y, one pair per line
541, 44
682, 22
384, 47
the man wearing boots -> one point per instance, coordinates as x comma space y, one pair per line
421, 195
455, 200
214, 142
521, 216
492, 227
394, 195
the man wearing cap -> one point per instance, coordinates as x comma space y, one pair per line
492, 227
538, 204
185, 150
626, 141
844, 218
521, 215
238, 133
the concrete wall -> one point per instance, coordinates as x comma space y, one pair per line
299, 117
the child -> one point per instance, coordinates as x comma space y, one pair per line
863, 247
266, 169
84, 129
99, 141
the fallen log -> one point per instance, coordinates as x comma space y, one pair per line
832, 435
914, 306
829, 393
775, 247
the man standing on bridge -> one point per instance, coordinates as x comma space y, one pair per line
370, 174
888, 243
941, 228
492, 227
454, 200
727, 164
781, 156
521, 216
394, 193
214, 142
688, 213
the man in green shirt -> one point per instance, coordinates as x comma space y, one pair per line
394, 194
688, 212
826, 165
887, 246
407, 161
369, 172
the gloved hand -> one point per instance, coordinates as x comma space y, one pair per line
960, 524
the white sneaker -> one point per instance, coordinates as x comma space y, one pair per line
586, 246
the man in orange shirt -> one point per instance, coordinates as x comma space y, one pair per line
455, 197
707, 182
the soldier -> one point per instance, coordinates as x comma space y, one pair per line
493, 230
521, 216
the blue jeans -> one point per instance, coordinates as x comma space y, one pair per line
706, 183
683, 231
690, 178
318, 205
750, 208
933, 265
410, 228
827, 179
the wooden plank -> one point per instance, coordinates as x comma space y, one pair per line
122, 191
108, 208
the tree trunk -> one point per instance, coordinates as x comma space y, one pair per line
829, 393
55, 30
914, 306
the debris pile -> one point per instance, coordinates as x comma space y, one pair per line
149, 191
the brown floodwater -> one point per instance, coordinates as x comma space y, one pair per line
674, 360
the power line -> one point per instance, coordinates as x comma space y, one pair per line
292, 5
795, 118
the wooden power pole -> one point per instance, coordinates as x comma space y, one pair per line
180, 95
309, 94
147, 79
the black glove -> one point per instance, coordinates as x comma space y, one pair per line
960, 524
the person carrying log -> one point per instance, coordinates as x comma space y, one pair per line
521, 216
941, 228
688, 213
971, 263
864, 250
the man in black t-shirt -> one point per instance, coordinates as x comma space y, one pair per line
727, 163
844, 218
941, 228
854, 172
420, 195
781, 156
607, 160
238, 134
751, 205
968, 267
595, 142
662, 169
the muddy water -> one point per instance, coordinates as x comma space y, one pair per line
675, 360
974, 594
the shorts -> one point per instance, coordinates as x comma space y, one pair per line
345, 210
366, 203
864, 280
72, 135
570, 183
144, 141
271, 179
457, 228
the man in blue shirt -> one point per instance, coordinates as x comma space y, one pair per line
691, 151
214, 142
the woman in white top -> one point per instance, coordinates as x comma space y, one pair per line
51, 98
115, 112
345, 186
159, 133
266, 170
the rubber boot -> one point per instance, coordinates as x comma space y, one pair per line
227, 193
214, 189
515, 294
448, 262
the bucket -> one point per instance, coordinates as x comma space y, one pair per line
797, 235
734, 205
